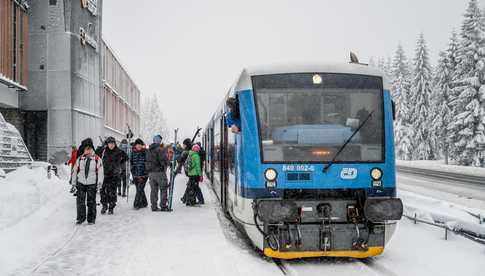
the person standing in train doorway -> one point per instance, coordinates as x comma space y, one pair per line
233, 119
157, 163
113, 158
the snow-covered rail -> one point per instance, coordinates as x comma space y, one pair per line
464, 178
473, 236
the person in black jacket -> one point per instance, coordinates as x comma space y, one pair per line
186, 146
157, 163
113, 158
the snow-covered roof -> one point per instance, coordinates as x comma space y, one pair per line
244, 82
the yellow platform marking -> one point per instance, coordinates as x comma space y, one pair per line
372, 251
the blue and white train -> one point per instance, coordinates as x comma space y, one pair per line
312, 171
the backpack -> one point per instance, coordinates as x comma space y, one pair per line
188, 163
96, 160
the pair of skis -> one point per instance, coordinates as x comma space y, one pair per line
172, 170
173, 173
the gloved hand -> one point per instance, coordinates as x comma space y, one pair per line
73, 189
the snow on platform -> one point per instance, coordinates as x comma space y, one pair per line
190, 241
438, 165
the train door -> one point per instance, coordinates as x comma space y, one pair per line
211, 160
225, 164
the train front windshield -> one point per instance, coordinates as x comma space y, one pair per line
308, 117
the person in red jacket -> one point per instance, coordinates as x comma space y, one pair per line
71, 164
73, 159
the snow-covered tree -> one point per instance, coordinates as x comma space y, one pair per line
443, 99
419, 102
152, 120
400, 82
381, 64
469, 89
441, 113
388, 66
372, 62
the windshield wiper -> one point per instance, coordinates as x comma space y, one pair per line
325, 169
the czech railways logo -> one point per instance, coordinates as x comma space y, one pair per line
348, 173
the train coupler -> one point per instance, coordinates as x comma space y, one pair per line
325, 211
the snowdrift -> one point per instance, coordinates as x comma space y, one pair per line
24, 191
454, 216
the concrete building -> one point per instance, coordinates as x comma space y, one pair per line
13, 52
121, 97
77, 88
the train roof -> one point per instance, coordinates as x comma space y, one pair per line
244, 82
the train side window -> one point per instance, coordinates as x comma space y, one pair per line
233, 119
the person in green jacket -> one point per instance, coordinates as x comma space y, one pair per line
194, 173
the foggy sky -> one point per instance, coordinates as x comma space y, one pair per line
190, 52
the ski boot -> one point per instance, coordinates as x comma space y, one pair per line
103, 210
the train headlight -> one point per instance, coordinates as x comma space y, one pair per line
376, 174
270, 175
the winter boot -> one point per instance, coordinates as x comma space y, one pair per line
165, 209
110, 211
156, 209
103, 210
91, 223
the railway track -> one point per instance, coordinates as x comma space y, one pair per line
433, 174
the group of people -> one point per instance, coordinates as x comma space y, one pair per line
106, 169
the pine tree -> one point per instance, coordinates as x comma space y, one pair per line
152, 120
419, 102
388, 67
469, 91
400, 81
381, 64
449, 135
440, 106
372, 62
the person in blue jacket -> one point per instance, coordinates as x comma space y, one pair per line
139, 173
233, 119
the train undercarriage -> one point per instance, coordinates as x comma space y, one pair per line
303, 224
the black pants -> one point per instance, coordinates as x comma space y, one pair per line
86, 192
122, 183
191, 191
108, 191
198, 193
140, 197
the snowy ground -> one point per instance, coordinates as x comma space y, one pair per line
189, 241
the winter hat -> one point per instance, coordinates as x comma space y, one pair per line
196, 148
88, 142
157, 139
188, 143
139, 142
110, 140
124, 141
